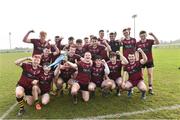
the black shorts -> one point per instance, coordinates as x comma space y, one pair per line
98, 83
148, 65
83, 87
27, 92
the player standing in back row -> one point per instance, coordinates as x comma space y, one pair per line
128, 43
39, 44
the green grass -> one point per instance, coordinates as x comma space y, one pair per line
166, 88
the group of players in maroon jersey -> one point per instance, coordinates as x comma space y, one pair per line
98, 63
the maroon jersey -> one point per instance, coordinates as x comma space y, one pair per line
104, 55
147, 48
67, 73
135, 72
115, 69
96, 51
84, 72
101, 41
74, 58
28, 75
97, 74
38, 46
59, 45
80, 52
129, 46
103, 52
48, 59
45, 81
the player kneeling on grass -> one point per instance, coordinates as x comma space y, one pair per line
100, 69
83, 77
43, 86
64, 74
25, 85
134, 72
115, 67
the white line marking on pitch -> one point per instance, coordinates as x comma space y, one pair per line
134, 113
8, 111
110, 115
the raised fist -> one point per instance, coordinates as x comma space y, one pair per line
31, 31
151, 34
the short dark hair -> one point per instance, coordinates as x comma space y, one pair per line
101, 31
86, 38
132, 53
125, 29
46, 64
112, 54
97, 57
142, 32
94, 37
111, 33
37, 56
71, 38
56, 36
78, 41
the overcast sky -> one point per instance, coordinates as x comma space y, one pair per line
80, 18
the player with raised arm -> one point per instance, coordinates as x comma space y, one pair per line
38, 44
42, 89
100, 71
83, 77
115, 67
27, 80
146, 45
133, 72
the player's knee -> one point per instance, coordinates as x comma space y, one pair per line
119, 82
113, 86
91, 87
109, 84
74, 91
127, 87
118, 85
143, 89
59, 82
45, 101
86, 98
19, 93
